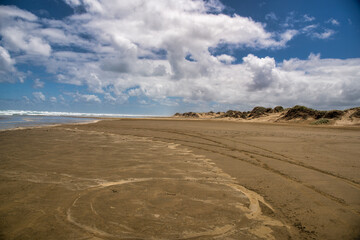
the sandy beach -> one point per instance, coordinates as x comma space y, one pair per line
180, 179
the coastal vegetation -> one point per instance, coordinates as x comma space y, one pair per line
297, 113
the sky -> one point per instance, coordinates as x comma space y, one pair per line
165, 56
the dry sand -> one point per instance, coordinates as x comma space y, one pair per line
180, 179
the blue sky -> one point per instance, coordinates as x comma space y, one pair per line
167, 56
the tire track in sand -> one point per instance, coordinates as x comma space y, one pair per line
253, 211
258, 162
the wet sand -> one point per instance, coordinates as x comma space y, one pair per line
180, 179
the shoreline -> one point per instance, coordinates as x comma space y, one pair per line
49, 125
231, 121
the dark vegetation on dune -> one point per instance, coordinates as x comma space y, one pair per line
303, 112
187, 114
278, 109
235, 114
296, 112
356, 114
259, 111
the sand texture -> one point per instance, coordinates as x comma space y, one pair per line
180, 179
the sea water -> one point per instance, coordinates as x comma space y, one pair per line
15, 119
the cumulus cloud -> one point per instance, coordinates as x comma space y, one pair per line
226, 58
39, 96
73, 3
6, 63
78, 97
138, 38
109, 97
155, 24
13, 12
159, 51
32, 38
6, 66
260, 70
38, 83
19, 34
120, 99
18, 40
327, 81
20, 37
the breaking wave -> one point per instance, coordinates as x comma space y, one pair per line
68, 114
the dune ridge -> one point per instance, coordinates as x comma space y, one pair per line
296, 114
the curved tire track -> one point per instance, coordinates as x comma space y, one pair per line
256, 163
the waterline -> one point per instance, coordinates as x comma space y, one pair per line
71, 114
10, 119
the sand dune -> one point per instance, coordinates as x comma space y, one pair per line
296, 114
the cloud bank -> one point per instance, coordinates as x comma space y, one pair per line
160, 51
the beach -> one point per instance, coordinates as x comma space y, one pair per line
180, 179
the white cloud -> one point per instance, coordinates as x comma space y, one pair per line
12, 11
324, 35
214, 6
309, 28
39, 96
288, 35
6, 63
226, 58
19, 31
143, 102
38, 83
118, 99
271, 16
326, 80
78, 97
294, 19
53, 99
308, 18
261, 71
157, 23
333, 22
108, 97
314, 32
167, 102
6, 66
73, 3
139, 48
17, 39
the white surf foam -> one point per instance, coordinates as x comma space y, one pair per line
70, 114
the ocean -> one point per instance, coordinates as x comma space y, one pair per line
10, 119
